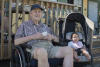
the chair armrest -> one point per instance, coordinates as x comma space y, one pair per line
26, 46
59, 43
22, 45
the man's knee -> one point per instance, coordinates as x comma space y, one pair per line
41, 53
69, 50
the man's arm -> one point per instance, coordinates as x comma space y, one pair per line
55, 39
51, 37
28, 38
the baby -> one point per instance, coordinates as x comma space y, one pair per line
78, 47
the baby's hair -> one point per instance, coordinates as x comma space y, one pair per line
74, 33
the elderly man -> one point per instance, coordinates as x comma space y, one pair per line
39, 36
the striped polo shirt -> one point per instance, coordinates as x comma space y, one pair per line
29, 28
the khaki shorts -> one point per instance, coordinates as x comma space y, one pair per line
51, 50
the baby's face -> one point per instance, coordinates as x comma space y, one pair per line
75, 37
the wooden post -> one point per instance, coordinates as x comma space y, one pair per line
23, 12
47, 5
51, 17
85, 6
61, 11
17, 12
10, 31
2, 30
56, 26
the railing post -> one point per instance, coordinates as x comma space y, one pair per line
23, 12
17, 12
56, 25
10, 31
2, 30
47, 5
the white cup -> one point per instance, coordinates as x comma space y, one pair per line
44, 33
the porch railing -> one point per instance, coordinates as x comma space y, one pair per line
20, 13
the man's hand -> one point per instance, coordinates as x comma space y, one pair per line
37, 36
49, 37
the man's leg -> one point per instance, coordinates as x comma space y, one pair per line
41, 55
67, 54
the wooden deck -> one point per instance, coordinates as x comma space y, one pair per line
54, 10
6, 63
96, 48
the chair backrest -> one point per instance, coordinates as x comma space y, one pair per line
68, 35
